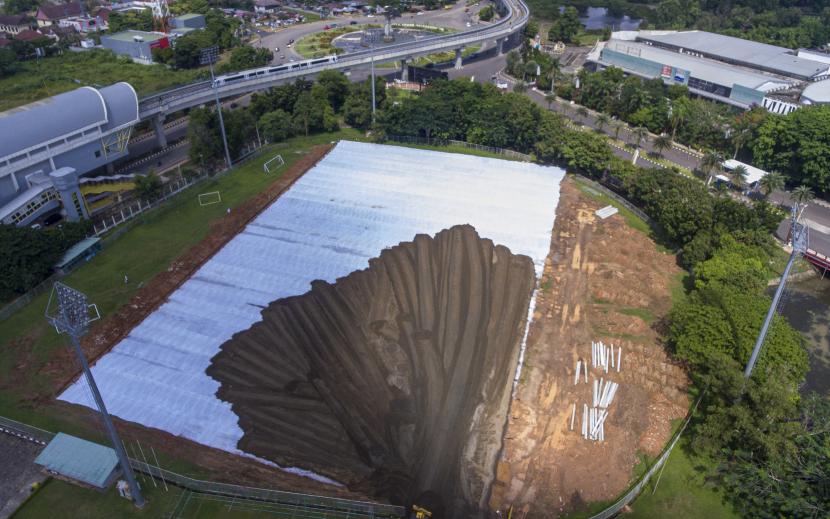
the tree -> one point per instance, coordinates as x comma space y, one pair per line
520, 87
710, 162
662, 143
276, 126
802, 195
8, 62
587, 152
20, 6
148, 187
336, 86
582, 112
550, 98
770, 182
566, 27
602, 120
739, 175
486, 13
204, 137
308, 113
246, 57
640, 135
617, 128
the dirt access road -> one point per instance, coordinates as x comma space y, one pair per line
603, 280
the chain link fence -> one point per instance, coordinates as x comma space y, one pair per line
468, 145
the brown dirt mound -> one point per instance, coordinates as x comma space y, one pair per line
395, 379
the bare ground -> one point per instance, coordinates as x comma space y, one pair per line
602, 281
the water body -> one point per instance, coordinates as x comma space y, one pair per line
808, 309
597, 18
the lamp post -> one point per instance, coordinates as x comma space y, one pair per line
72, 316
209, 56
372, 50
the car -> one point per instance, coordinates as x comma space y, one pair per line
290, 42
469, 24
353, 22
282, 56
419, 13
326, 28
276, 49
370, 16
292, 60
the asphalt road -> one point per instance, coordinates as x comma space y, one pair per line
454, 18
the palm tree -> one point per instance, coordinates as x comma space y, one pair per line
770, 182
640, 134
739, 137
801, 195
582, 112
739, 174
602, 120
617, 128
520, 87
550, 98
662, 143
710, 162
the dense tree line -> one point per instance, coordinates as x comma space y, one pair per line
28, 255
219, 30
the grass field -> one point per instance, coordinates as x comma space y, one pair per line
148, 248
46, 77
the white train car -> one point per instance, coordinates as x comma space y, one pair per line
267, 71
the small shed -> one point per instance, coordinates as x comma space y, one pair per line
82, 251
80, 461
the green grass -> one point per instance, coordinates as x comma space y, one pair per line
442, 57
319, 44
454, 148
37, 79
146, 249
682, 491
643, 313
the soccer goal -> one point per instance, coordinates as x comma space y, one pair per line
209, 198
273, 164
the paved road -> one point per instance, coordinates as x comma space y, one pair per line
454, 18
18, 472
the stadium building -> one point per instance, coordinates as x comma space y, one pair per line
47, 146
734, 71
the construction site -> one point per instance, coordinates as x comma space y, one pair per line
403, 326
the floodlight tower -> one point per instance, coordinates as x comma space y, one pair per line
161, 13
71, 315
209, 56
800, 238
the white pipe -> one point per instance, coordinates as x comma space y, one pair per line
578, 368
573, 416
599, 422
619, 358
595, 393
606, 360
612, 356
585, 370
585, 421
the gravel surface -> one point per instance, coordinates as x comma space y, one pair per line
17, 470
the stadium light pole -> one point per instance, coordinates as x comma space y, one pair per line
800, 243
72, 316
372, 50
209, 56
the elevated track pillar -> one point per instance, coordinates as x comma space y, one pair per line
458, 61
500, 45
404, 70
158, 129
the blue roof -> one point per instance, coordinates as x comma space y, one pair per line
79, 459
76, 250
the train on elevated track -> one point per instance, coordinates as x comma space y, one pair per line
265, 71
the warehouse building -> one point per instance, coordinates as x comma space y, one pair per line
138, 45
737, 72
48, 145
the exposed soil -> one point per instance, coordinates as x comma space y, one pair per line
396, 378
601, 280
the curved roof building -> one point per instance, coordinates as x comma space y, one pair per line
83, 129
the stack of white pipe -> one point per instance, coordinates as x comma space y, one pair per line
603, 356
593, 418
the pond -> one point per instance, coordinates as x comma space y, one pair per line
807, 306
597, 18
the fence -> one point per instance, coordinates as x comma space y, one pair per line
347, 507
638, 487
468, 145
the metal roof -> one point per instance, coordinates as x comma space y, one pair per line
65, 114
701, 68
128, 35
79, 459
760, 55
50, 118
818, 92
76, 250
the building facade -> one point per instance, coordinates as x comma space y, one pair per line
48, 145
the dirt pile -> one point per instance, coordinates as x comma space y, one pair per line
395, 379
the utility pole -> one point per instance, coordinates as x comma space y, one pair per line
800, 242
72, 316
372, 50
209, 56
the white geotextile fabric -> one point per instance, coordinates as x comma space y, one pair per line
360, 199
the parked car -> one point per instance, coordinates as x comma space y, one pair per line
326, 28
276, 49
353, 22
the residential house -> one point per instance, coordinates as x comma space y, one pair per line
52, 14
13, 23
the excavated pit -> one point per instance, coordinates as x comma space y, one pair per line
395, 379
